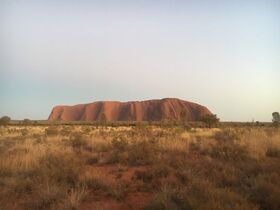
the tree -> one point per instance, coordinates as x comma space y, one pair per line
184, 119
26, 121
210, 120
5, 120
183, 116
276, 118
103, 118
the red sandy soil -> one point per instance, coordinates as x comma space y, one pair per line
151, 110
133, 200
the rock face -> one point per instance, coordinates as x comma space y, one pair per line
150, 110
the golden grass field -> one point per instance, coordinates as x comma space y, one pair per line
71, 167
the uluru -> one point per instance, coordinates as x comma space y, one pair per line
149, 110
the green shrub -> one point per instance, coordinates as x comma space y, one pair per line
169, 198
156, 172
24, 132
63, 169
210, 120
141, 153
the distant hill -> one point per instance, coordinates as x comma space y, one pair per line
150, 110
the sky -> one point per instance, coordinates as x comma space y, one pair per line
221, 54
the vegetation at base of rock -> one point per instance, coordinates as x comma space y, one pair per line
210, 120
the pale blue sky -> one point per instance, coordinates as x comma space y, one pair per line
222, 54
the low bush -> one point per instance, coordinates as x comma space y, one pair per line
51, 131
78, 141
273, 152
5, 120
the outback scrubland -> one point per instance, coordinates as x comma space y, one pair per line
90, 167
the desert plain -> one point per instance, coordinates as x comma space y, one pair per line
141, 166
